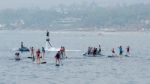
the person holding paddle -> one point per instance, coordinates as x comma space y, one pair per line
57, 57
38, 56
120, 50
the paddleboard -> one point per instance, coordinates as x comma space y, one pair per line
57, 65
43, 62
17, 59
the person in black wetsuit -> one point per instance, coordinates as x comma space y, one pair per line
57, 57
47, 38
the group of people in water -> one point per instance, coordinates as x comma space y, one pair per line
97, 51
121, 51
94, 51
39, 55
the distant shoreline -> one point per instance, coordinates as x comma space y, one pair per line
83, 30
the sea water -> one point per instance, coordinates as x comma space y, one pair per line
76, 69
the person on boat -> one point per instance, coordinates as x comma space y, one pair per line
92, 50
57, 57
120, 50
17, 56
95, 51
113, 52
22, 49
99, 49
128, 50
43, 52
38, 56
32, 53
89, 50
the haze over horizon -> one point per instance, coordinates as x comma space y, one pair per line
46, 4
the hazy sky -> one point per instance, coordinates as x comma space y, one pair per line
49, 3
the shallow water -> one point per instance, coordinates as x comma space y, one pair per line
77, 69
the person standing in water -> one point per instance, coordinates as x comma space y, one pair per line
113, 52
57, 57
120, 50
62, 52
32, 53
38, 56
43, 52
99, 50
17, 54
128, 50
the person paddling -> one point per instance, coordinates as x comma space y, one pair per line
38, 56
61, 52
120, 50
94, 51
32, 53
17, 54
113, 52
99, 50
64, 51
43, 52
57, 57
128, 50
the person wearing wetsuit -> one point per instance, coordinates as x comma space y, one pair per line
47, 38
94, 51
57, 57
47, 35
128, 50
